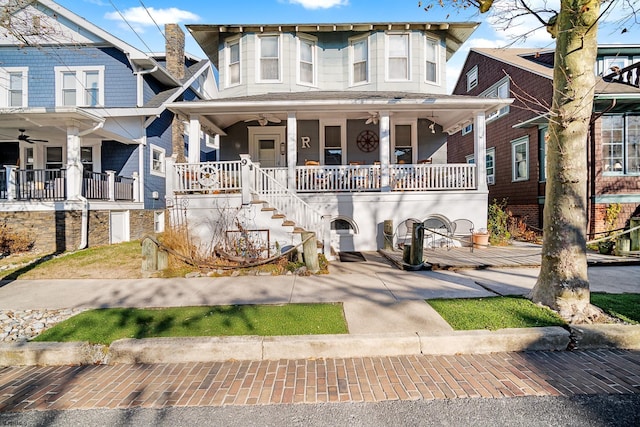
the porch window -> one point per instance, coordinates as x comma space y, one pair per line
28, 159
520, 159
269, 58
306, 58
472, 78
403, 147
360, 60
398, 56
431, 67
233, 62
53, 158
620, 137
157, 160
79, 86
332, 145
86, 157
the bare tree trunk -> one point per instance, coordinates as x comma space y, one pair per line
563, 283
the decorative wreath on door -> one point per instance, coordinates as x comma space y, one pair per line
367, 141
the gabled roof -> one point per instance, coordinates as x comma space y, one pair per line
209, 36
63, 27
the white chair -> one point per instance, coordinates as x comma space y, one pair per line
463, 231
438, 228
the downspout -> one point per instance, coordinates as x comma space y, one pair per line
84, 226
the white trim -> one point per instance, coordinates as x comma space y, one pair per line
343, 137
436, 44
227, 53
352, 42
515, 168
314, 59
414, 138
80, 74
154, 148
387, 58
5, 86
259, 38
472, 78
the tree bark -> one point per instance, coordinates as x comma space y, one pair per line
563, 283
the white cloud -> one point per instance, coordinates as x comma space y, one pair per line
319, 4
139, 18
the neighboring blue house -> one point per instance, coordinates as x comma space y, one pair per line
84, 129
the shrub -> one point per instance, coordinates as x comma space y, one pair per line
498, 223
12, 242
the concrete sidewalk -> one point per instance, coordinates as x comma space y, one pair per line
384, 308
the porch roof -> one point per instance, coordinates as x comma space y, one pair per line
452, 112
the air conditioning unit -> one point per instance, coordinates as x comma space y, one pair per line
491, 180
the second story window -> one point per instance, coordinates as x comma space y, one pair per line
79, 86
431, 68
306, 58
233, 63
269, 58
359, 62
499, 90
13, 87
398, 56
472, 78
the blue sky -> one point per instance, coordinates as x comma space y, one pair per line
146, 36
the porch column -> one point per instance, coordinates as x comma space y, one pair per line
292, 150
246, 168
385, 143
111, 179
480, 150
74, 164
193, 145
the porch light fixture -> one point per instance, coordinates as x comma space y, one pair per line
432, 127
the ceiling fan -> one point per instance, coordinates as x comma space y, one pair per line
264, 119
374, 117
25, 138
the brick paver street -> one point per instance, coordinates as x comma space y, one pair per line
321, 380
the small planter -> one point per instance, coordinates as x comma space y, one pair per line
480, 240
606, 247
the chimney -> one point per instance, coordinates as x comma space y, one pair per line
175, 50
175, 65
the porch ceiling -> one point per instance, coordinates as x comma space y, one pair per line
452, 112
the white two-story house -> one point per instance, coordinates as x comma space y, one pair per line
338, 127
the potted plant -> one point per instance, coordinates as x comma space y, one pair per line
480, 239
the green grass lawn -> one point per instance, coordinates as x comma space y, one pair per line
102, 326
494, 313
623, 306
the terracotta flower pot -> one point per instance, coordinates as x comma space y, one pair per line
480, 240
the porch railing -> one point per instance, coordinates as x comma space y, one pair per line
40, 184
96, 186
433, 177
209, 177
338, 178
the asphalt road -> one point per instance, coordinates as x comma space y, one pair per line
582, 411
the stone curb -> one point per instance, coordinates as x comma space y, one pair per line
217, 349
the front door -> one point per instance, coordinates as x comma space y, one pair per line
267, 146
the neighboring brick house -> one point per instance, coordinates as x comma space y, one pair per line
516, 134
84, 127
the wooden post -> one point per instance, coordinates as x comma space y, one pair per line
634, 235
417, 242
310, 251
387, 230
149, 255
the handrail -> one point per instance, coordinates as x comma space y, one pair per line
625, 75
285, 201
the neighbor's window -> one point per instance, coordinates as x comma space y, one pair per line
467, 129
542, 153
472, 78
620, 137
80, 86
431, 68
157, 160
520, 159
306, 57
269, 58
398, 56
490, 164
233, 62
360, 55
499, 90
